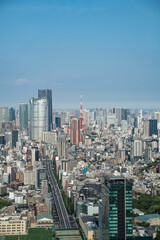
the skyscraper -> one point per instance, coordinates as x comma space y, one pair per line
153, 127
38, 117
58, 122
116, 209
46, 93
61, 143
12, 115
23, 115
74, 131
119, 114
14, 138
4, 116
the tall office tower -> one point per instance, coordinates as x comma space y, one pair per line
86, 118
153, 127
61, 144
23, 115
146, 128
116, 209
14, 138
157, 116
12, 115
38, 117
119, 114
74, 131
135, 122
4, 116
58, 122
46, 93
125, 113
81, 123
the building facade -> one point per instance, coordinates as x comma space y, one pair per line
38, 118
46, 93
116, 209
23, 116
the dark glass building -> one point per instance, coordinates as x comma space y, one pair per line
23, 116
14, 138
11, 114
153, 127
116, 210
58, 122
46, 93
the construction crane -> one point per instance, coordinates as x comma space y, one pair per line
67, 143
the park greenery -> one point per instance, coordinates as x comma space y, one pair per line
34, 234
4, 203
68, 203
146, 203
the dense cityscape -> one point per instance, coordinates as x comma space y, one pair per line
80, 174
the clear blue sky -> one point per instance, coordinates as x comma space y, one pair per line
108, 50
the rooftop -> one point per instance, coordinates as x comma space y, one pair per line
147, 217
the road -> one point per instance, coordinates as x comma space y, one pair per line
63, 217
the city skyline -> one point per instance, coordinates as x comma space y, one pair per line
107, 50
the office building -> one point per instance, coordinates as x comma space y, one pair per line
46, 93
4, 116
12, 115
38, 118
146, 128
40, 175
29, 178
61, 145
14, 138
50, 137
58, 122
23, 116
119, 114
86, 116
74, 131
116, 209
13, 225
34, 155
153, 127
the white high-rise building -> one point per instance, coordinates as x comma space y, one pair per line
86, 116
38, 117
4, 114
137, 148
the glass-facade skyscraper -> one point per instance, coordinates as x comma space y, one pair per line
46, 93
12, 115
38, 117
23, 116
116, 211
153, 127
4, 116
14, 138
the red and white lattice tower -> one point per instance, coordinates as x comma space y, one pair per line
81, 121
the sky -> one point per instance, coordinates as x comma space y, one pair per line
106, 50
